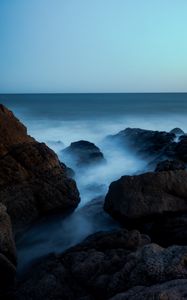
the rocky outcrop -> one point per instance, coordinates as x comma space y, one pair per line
170, 290
107, 265
86, 271
83, 153
170, 165
147, 143
12, 131
8, 259
32, 180
149, 194
154, 203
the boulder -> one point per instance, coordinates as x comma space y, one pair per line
107, 265
145, 142
154, 203
143, 196
83, 271
32, 180
83, 153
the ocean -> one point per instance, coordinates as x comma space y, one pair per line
60, 119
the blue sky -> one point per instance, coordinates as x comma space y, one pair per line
93, 46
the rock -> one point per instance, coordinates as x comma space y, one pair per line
177, 131
32, 179
170, 165
83, 153
181, 150
170, 290
12, 132
8, 259
154, 203
144, 142
83, 271
143, 196
106, 265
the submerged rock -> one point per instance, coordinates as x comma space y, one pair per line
83, 153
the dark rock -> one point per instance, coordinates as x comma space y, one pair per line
84, 271
83, 153
7, 251
144, 142
32, 179
181, 150
106, 265
170, 165
147, 195
170, 290
177, 131
154, 203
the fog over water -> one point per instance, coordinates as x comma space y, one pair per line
59, 120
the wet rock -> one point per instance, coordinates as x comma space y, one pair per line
144, 142
83, 153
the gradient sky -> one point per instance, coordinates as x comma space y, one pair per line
93, 45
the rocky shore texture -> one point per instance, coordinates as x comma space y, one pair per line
32, 184
146, 258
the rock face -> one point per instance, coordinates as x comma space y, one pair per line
86, 271
170, 165
83, 153
32, 180
120, 264
154, 203
145, 142
7, 251
147, 195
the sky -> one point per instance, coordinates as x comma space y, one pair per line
93, 46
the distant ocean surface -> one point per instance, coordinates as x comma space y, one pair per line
69, 117
58, 120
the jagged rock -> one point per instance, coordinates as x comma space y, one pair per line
84, 271
145, 142
83, 153
106, 265
170, 165
32, 179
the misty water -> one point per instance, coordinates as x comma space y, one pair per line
59, 120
